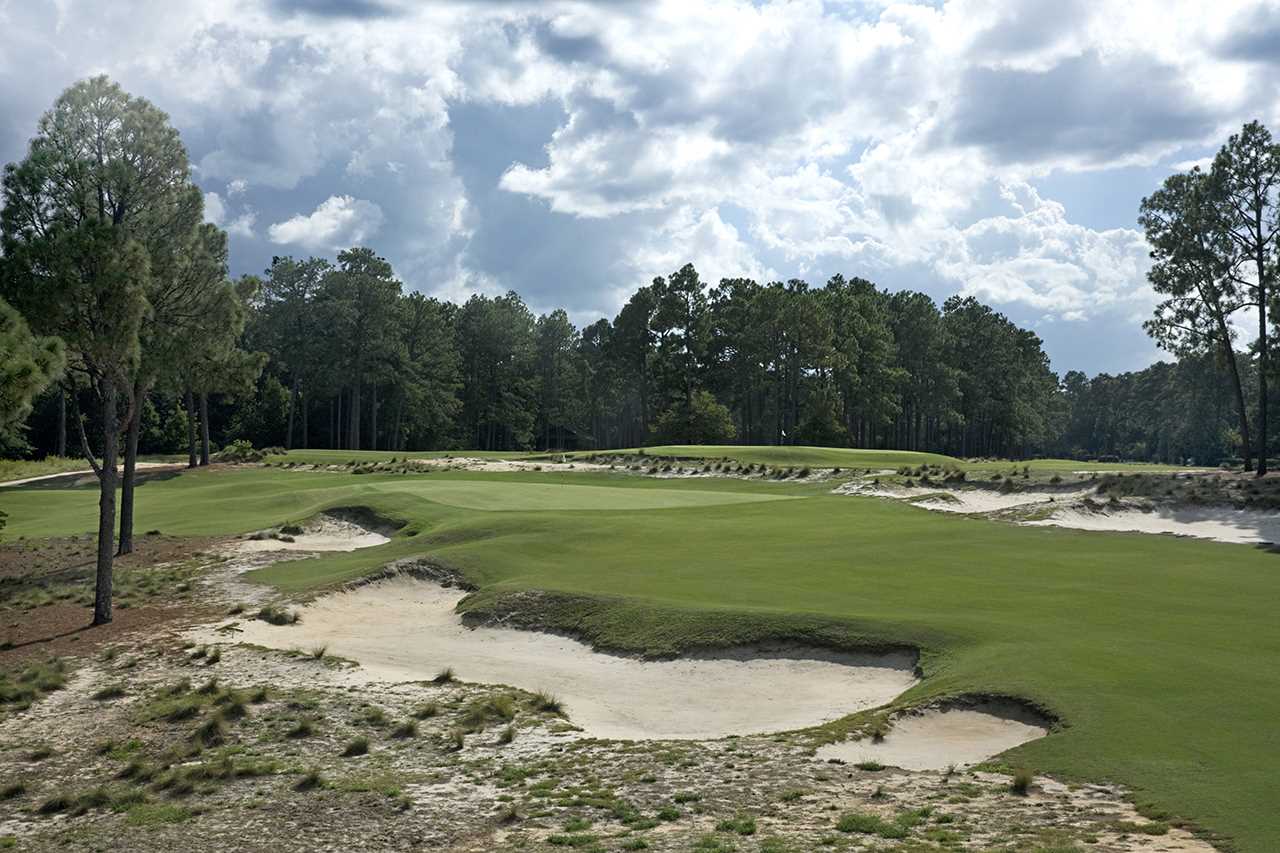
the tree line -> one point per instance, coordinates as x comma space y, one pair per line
123, 333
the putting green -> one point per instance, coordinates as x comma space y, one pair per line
1159, 653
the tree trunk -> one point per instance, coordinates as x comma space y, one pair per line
1262, 366
355, 416
62, 423
293, 404
1246, 449
125, 545
106, 505
204, 428
338, 428
303, 402
191, 429
373, 415
397, 434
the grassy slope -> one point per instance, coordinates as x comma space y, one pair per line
1158, 652
818, 457
844, 457
341, 457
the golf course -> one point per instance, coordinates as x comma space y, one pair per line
1151, 654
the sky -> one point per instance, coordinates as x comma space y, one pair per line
573, 151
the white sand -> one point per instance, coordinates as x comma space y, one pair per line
962, 500
323, 533
937, 739
406, 629
1223, 524
473, 463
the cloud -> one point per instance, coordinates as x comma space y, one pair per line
574, 150
359, 9
215, 212
340, 221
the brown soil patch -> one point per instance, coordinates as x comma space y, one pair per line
63, 630
48, 558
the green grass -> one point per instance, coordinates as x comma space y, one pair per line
342, 457
20, 469
823, 457
856, 458
1157, 652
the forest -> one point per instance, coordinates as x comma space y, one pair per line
342, 355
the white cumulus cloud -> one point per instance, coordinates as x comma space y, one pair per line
340, 221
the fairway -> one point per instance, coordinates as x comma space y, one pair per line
1154, 651
495, 497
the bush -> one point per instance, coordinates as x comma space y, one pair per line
869, 824
701, 420
1022, 780
240, 451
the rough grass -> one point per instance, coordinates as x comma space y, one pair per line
20, 688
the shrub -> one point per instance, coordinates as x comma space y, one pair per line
1022, 779
309, 781
303, 727
359, 746
742, 824
406, 729
546, 703
111, 691
869, 824
374, 716
444, 676
870, 766
425, 711
508, 735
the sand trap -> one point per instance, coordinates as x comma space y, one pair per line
323, 533
938, 739
472, 463
1223, 524
405, 629
944, 499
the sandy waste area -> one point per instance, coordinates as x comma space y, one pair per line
406, 629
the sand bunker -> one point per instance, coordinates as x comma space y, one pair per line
1223, 524
405, 629
936, 739
323, 533
472, 463
945, 499
1069, 509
